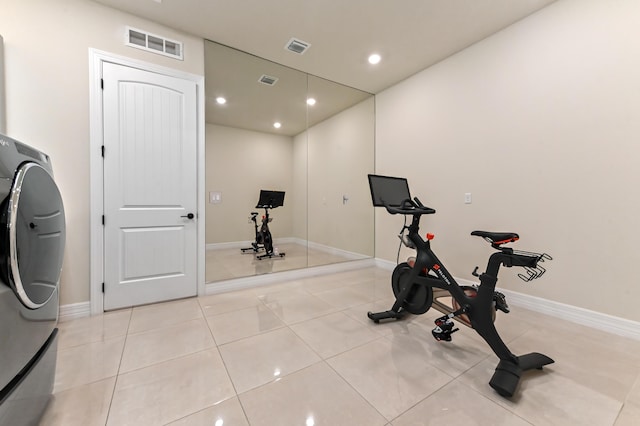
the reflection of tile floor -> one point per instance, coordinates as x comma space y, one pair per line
303, 352
226, 264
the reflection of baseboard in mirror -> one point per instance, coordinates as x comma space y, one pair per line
320, 153
226, 262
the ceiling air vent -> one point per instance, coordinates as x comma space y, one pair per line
297, 46
153, 43
268, 80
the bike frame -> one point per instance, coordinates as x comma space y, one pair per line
264, 240
265, 222
429, 272
478, 308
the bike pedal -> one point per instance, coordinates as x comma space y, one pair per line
503, 309
443, 335
439, 338
501, 302
443, 329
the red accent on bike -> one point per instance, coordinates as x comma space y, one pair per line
430, 237
436, 267
509, 240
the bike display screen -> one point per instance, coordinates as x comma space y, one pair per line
270, 199
387, 190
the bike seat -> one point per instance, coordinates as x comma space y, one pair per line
497, 238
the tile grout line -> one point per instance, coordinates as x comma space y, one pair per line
387, 421
115, 383
226, 369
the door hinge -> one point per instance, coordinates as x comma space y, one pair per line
102, 151
102, 83
103, 287
102, 220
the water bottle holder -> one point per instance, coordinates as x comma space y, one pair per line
534, 270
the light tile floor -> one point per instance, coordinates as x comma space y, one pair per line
304, 353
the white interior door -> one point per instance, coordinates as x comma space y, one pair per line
150, 187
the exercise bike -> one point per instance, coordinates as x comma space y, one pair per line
425, 282
264, 241
257, 245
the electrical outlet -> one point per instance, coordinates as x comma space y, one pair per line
467, 198
215, 197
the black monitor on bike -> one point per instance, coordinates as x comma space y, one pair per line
387, 190
270, 199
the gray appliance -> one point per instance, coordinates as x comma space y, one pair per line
32, 238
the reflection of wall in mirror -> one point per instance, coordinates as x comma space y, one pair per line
299, 190
341, 154
316, 168
239, 164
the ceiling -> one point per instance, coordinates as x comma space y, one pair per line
252, 105
410, 35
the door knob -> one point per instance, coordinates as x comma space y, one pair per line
189, 216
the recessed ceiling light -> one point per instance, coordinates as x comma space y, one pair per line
374, 59
311, 101
220, 100
277, 125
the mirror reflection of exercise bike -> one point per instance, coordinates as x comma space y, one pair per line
423, 282
264, 241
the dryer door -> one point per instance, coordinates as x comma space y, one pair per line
36, 235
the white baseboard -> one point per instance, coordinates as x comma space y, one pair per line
278, 277
74, 310
385, 264
336, 251
609, 323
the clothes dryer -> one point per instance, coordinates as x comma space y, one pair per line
32, 239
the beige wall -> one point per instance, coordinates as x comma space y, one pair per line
300, 175
341, 154
541, 123
46, 47
239, 163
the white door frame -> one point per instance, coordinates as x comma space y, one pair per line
96, 175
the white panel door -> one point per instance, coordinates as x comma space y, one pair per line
150, 187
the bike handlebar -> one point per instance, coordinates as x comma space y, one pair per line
412, 207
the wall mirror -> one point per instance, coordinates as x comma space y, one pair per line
319, 155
